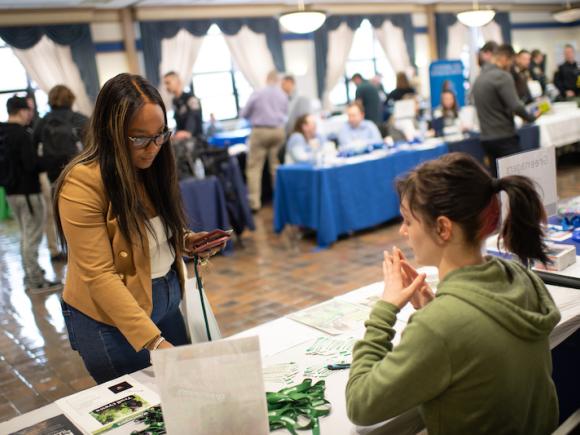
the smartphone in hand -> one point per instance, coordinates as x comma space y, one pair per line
210, 241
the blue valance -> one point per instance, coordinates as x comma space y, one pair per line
354, 21
76, 36
443, 21
152, 32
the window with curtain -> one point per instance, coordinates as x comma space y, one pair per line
221, 87
15, 81
366, 57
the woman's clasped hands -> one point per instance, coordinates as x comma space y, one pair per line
403, 283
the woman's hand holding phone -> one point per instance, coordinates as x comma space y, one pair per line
204, 244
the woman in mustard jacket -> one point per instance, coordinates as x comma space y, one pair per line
119, 211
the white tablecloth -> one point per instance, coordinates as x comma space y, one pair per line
284, 340
559, 129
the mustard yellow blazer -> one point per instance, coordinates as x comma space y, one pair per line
107, 279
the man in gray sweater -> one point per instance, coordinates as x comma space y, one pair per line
496, 100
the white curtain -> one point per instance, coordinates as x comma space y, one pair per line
392, 40
339, 45
178, 54
50, 64
492, 32
251, 55
458, 36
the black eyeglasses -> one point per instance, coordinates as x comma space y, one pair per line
144, 141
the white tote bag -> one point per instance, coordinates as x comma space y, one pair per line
193, 314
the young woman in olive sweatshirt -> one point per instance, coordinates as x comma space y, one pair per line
475, 358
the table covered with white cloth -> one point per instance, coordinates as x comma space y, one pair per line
284, 340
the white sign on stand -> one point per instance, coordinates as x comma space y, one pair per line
538, 165
214, 388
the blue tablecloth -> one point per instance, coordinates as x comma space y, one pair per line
337, 200
228, 138
555, 220
205, 205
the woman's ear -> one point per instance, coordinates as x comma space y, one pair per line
444, 229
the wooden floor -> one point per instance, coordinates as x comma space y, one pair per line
268, 277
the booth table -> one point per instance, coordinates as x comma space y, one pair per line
560, 128
349, 197
284, 340
228, 138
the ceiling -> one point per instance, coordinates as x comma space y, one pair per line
108, 4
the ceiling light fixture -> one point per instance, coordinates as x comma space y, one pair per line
568, 15
476, 17
302, 20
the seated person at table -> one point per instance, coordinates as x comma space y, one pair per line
475, 358
447, 114
358, 132
303, 141
448, 110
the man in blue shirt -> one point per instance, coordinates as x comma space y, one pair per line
267, 111
358, 133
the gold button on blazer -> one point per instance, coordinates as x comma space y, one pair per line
107, 279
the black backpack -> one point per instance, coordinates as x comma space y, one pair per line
59, 136
59, 141
8, 171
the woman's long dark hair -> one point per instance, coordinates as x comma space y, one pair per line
107, 145
458, 187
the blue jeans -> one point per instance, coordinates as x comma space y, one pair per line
104, 349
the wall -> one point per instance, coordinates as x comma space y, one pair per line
111, 55
300, 61
539, 30
422, 54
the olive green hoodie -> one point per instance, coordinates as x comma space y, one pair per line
475, 360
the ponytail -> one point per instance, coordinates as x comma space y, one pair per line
458, 187
521, 231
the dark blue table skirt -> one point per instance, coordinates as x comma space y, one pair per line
337, 200
229, 138
205, 205
529, 140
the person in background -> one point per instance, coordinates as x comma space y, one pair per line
448, 111
403, 88
35, 116
487, 52
521, 74
496, 102
298, 105
187, 108
358, 132
537, 70
303, 141
119, 210
377, 82
367, 95
451, 361
19, 174
267, 111
567, 78
213, 126
60, 131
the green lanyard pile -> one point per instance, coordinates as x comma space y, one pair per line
298, 408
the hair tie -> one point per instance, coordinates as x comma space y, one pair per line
496, 186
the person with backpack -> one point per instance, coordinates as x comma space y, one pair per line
60, 131
19, 170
